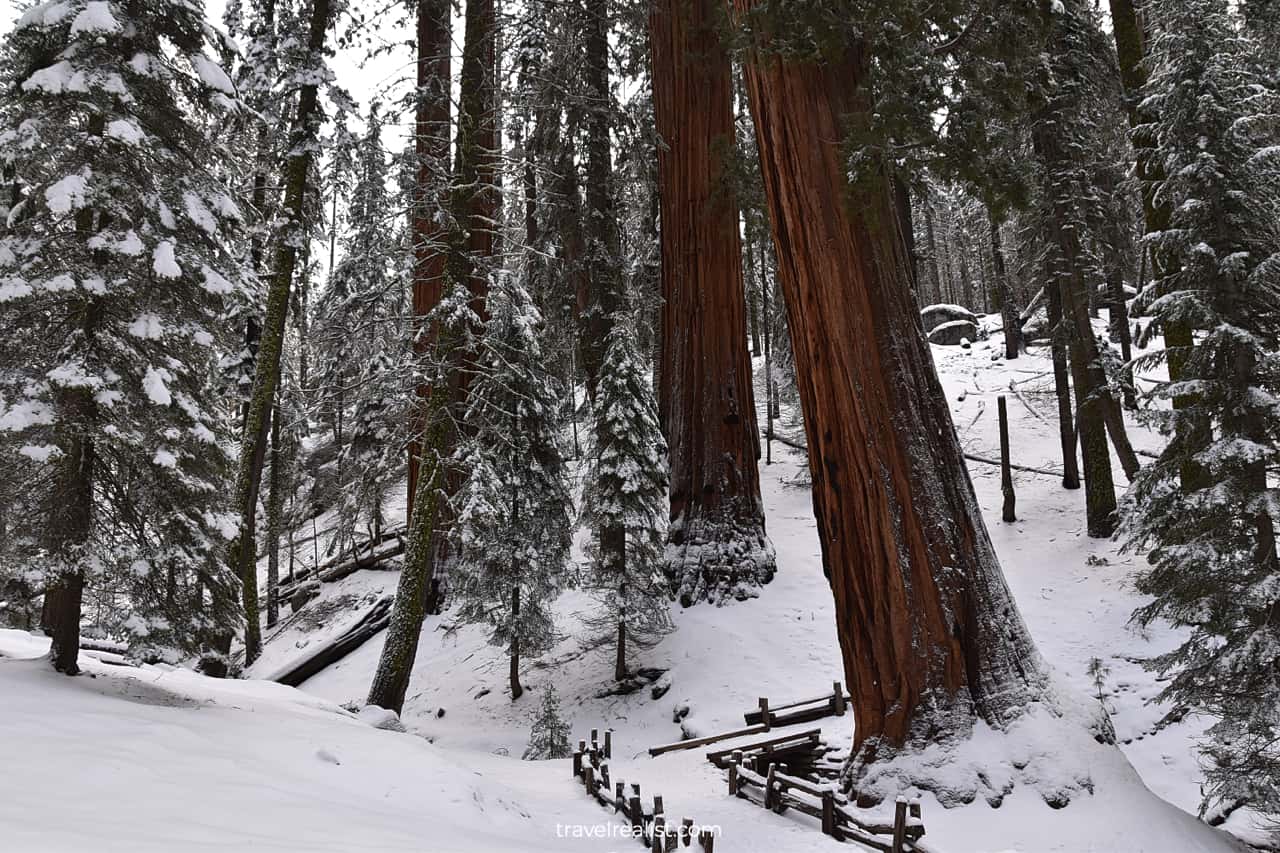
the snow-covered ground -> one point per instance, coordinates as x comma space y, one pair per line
155, 759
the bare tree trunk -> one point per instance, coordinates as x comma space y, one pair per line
930, 636
716, 545
1008, 310
935, 268
68, 524
1062, 386
275, 502
253, 449
1131, 53
599, 290
395, 665
516, 689
430, 234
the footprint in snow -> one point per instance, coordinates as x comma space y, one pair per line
327, 756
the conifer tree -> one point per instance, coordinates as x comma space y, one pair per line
513, 523
1213, 567
549, 736
113, 271
361, 343
625, 501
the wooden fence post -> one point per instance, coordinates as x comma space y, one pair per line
619, 801
686, 831
735, 762
608, 743
828, 813
604, 776
577, 763
900, 825
658, 842
589, 780
1006, 475
707, 840
764, 712
770, 796
635, 811
837, 698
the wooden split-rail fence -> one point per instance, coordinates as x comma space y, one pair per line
651, 827
764, 718
778, 791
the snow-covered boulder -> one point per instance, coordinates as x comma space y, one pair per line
934, 316
954, 333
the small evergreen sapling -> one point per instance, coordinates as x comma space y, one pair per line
549, 737
514, 524
625, 502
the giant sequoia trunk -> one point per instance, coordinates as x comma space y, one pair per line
266, 377
716, 545
930, 636
430, 234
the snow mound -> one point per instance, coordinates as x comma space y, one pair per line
155, 758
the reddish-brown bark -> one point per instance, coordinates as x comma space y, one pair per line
430, 237
716, 543
930, 636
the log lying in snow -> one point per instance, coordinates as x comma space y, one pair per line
703, 741
338, 571
338, 648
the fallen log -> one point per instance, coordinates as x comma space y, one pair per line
338, 571
703, 741
335, 650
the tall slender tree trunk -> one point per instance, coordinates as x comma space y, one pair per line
1062, 386
599, 291
1008, 310
1156, 213
716, 545
753, 303
275, 504
930, 636
404, 630
430, 234
934, 267
516, 689
253, 448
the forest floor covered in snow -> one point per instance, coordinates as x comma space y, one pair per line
157, 759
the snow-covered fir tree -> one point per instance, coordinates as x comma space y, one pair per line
1206, 507
360, 343
624, 501
113, 271
549, 734
514, 521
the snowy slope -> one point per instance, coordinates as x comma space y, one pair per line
167, 760
1073, 591
150, 759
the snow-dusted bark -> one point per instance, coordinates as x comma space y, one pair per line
716, 544
933, 644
